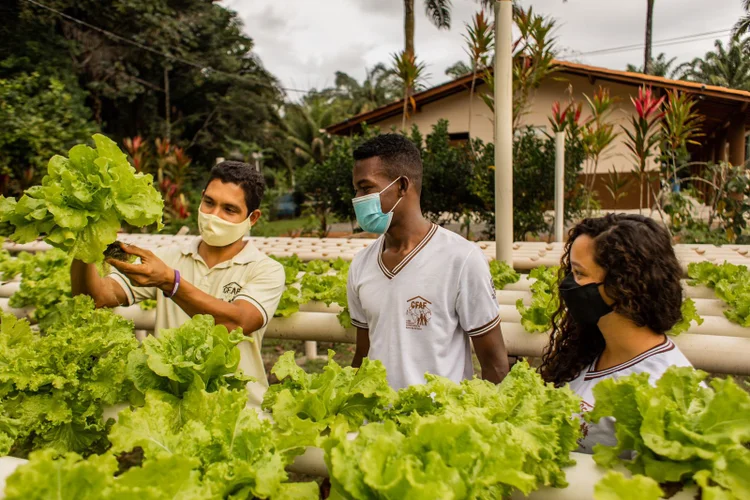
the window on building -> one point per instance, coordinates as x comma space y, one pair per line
458, 138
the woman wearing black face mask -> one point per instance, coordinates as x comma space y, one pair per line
620, 293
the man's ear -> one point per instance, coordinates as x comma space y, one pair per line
403, 185
255, 216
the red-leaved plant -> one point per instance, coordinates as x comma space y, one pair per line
643, 135
170, 166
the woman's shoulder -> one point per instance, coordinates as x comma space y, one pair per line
659, 361
654, 361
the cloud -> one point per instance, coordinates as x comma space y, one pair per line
268, 20
304, 43
388, 8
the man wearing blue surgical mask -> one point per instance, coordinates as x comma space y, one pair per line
420, 293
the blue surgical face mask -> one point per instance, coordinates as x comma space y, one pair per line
370, 214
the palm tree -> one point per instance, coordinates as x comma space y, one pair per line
458, 69
304, 127
378, 88
743, 25
725, 66
659, 67
647, 50
439, 12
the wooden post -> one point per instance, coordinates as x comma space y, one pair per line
736, 138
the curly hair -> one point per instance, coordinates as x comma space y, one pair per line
642, 277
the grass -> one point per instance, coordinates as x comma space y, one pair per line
283, 227
272, 349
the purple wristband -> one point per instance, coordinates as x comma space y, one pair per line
176, 284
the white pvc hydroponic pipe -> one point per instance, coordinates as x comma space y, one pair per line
709, 350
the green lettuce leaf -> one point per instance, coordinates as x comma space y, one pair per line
537, 318
678, 428
689, 314
542, 416
45, 282
238, 452
292, 267
54, 385
443, 456
198, 352
303, 405
45, 477
615, 486
289, 303
175, 477
503, 274
730, 282
82, 201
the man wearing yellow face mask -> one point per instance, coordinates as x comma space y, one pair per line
219, 274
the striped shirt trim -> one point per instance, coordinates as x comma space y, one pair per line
125, 286
391, 274
359, 324
666, 346
484, 329
258, 306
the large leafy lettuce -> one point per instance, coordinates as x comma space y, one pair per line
54, 386
503, 274
679, 429
305, 405
468, 440
45, 282
83, 200
541, 415
537, 317
432, 457
730, 282
46, 476
321, 281
198, 353
235, 452
615, 486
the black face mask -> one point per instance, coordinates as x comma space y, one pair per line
585, 304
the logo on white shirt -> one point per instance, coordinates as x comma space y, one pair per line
231, 290
418, 314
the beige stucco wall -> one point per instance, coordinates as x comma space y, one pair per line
455, 109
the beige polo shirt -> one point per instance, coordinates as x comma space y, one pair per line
250, 276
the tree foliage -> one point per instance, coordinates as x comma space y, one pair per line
195, 50
447, 173
725, 66
41, 116
533, 181
661, 66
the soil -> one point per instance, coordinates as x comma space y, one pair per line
115, 251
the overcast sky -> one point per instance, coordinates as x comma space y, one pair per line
303, 43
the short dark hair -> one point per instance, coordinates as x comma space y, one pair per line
244, 175
398, 155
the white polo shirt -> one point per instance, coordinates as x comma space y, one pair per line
421, 314
655, 362
250, 276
